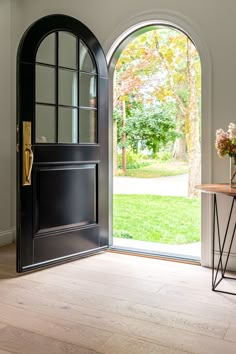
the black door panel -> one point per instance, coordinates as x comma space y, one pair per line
62, 94
66, 244
65, 196
72, 153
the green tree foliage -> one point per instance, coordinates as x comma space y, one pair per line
149, 127
159, 66
154, 66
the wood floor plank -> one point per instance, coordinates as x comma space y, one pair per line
185, 345
105, 316
192, 277
231, 332
58, 329
19, 341
101, 288
106, 278
183, 304
130, 327
111, 260
118, 344
5, 352
200, 293
112, 303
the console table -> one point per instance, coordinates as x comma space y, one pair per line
218, 272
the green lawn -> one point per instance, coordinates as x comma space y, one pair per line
172, 220
157, 169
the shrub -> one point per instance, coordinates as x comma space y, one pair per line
133, 160
164, 155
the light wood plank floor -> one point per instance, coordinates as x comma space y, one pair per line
113, 303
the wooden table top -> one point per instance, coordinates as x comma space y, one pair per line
220, 188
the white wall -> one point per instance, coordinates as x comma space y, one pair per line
213, 21
6, 155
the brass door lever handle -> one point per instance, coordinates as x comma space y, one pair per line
28, 156
29, 159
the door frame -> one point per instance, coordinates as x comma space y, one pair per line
112, 45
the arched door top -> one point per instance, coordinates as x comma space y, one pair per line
40, 29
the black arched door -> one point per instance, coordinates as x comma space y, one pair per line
62, 143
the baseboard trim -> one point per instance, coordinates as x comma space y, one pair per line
7, 237
231, 262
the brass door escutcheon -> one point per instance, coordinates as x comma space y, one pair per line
28, 156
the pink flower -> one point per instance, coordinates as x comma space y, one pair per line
232, 132
226, 141
223, 143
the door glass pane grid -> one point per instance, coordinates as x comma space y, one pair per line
45, 88
45, 124
86, 61
46, 53
68, 88
88, 90
83, 124
67, 50
87, 97
68, 125
46, 91
87, 126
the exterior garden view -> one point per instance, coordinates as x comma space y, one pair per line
156, 138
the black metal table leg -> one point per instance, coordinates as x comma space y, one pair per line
220, 269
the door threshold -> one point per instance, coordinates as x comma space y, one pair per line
171, 257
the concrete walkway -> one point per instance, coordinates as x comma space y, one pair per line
169, 186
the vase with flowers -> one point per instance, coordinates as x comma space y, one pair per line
226, 146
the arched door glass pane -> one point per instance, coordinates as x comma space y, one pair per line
67, 50
47, 50
87, 97
65, 91
86, 61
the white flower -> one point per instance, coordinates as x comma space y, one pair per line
232, 132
